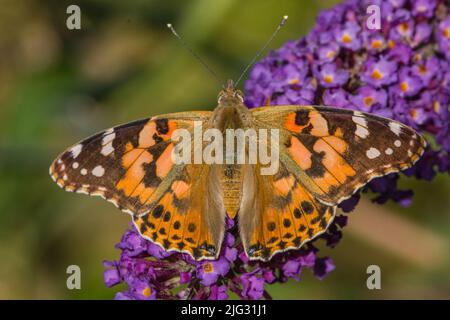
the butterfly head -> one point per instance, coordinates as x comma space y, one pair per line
229, 95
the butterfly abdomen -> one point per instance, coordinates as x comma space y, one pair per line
231, 185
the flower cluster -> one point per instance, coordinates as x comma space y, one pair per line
401, 71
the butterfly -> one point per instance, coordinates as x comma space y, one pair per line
325, 155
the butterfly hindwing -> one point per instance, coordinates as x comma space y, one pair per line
184, 221
277, 213
132, 167
334, 151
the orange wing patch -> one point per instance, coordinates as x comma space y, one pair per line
177, 223
291, 219
307, 119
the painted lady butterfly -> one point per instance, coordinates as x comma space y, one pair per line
326, 155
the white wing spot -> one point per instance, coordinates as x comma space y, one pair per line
361, 126
63, 167
98, 171
76, 150
83, 171
372, 153
107, 149
65, 177
75, 165
107, 141
411, 143
389, 151
361, 132
409, 153
395, 127
397, 143
359, 120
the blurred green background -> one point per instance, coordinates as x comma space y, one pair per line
58, 86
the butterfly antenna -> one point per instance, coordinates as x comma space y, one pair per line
283, 21
187, 47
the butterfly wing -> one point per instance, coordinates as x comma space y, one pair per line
277, 213
334, 151
132, 167
326, 155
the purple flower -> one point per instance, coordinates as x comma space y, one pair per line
292, 269
218, 293
269, 276
133, 244
328, 52
427, 70
409, 84
141, 290
422, 33
322, 267
156, 251
111, 277
375, 42
253, 286
424, 8
348, 36
329, 76
380, 72
368, 98
399, 52
209, 271
443, 36
123, 296
335, 97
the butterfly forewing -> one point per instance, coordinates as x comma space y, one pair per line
132, 166
334, 151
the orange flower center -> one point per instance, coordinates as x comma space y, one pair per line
404, 86
346, 38
294, 81
403, 27
376, 44
330, 54
147, 292
417, 57
328, 79
208, 267
422, 69
413, 113
446, 32
436, 106
368, 101
391, 44
376, 74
